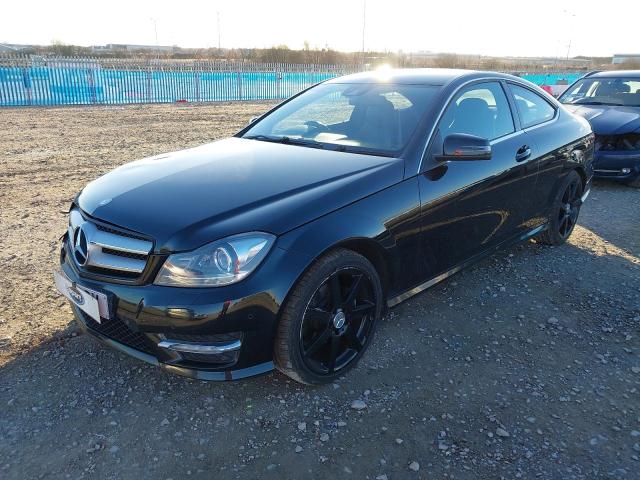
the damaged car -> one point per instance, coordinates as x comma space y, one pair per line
610, 101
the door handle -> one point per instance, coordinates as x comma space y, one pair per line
523, 153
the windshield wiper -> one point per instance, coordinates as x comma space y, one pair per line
304, 142
287, 140
363, 151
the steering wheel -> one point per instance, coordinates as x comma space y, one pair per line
317, 125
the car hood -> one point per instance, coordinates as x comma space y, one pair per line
188, 198
609, 120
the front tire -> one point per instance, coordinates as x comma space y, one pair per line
329, 319
565, 211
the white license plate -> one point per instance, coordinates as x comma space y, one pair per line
94, 304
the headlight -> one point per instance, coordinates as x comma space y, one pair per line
218, 263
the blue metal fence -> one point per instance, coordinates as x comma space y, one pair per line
74, 81
551, 78
87, 81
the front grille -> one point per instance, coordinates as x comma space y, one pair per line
118, 331
218, 359
105, 250
610, 143
118, 253
107, 229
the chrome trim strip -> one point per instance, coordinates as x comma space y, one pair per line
204, 348
97, 258
533, 232
585, 195
601, 170
121, 243
422, 287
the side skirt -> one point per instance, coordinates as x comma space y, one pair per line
392, 302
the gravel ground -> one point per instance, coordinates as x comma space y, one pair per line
524, 366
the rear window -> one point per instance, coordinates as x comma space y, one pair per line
533, 109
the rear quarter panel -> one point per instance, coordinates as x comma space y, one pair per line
564, 144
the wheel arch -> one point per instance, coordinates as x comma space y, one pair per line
583, 175
579, 169
367, 247
375, 253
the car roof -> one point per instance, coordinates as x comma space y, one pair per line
416, 76
616, 74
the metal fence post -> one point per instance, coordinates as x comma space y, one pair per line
92, 85
149, 77
26, 81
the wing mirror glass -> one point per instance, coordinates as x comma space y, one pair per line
461, 146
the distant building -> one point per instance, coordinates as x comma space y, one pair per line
13, 48
619, 58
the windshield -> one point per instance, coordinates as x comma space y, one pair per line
604, 91
364, 118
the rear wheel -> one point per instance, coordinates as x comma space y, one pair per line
565, 211
329, 319
635, 183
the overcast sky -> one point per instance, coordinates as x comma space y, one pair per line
489, 27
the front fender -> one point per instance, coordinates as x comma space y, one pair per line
390, 219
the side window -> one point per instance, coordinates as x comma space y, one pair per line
532, 107
481, 109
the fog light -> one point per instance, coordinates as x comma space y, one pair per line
626, 170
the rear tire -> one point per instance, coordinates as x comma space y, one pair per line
635, 183
564, 211
329, 318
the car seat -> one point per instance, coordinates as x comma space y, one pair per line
473, 116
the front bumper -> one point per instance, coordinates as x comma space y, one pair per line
222, 333
191, 372
622, 166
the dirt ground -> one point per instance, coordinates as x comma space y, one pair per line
524, 366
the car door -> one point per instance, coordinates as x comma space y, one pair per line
538, 119
472, 205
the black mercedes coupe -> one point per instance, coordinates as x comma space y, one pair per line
284, 245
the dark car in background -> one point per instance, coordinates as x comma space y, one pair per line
284, 245
610, 101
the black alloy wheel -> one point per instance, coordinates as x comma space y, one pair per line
569, 208
337, 321
565, 211
330, 318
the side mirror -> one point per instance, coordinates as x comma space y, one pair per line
461, 146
